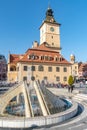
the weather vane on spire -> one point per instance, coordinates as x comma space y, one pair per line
49, 5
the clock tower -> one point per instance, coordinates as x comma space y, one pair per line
50, 31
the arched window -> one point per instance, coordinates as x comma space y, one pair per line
13, 68
40, 68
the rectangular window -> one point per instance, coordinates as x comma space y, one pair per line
24, 78
50, 69
57, 69
65, 78
45, 78
75, 67
57, 78
64, 69
25, 68
32, 68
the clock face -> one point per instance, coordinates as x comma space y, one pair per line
51, 29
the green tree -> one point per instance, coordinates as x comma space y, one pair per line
70, 80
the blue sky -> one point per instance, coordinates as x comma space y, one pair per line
20, 21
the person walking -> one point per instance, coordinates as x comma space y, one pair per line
72, 86
68, 88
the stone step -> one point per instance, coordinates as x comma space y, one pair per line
80, 97
77, 99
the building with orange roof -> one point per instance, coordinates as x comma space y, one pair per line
3, 68
43, 61
74, 66
82, 70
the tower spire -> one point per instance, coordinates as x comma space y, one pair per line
49, 15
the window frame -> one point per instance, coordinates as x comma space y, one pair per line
65, 69
64, 78
25, 68
50, 69
57, 69
57, 78
32, 68
40, 68
24, 78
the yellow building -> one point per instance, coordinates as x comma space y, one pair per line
74, 68
44, 60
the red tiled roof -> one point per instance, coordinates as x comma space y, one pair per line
14, 58
83, 67
41, 50
42, 47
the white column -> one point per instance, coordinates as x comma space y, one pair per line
42, 105
27, 109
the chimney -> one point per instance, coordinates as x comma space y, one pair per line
35, 44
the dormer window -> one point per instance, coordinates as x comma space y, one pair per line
32, 56
60, 58
56, 58
49, 58
46, 58
42, 57
29, 56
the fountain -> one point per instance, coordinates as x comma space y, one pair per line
25, 106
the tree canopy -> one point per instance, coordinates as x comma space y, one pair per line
70, 80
